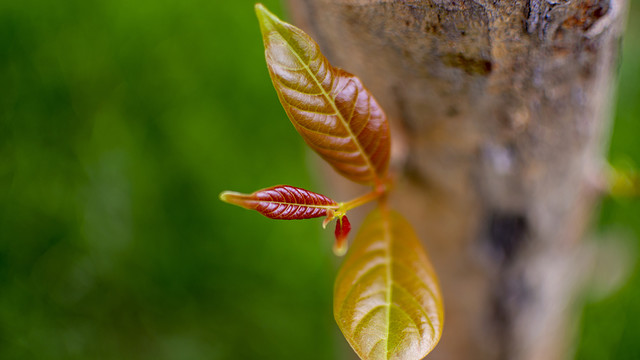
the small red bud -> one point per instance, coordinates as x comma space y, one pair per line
342, 231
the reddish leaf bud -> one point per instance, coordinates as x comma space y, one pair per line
342, 231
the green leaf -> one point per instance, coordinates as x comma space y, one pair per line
336, 116
387, 299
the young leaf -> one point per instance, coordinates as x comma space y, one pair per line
343, 227
336, 116
387, 300
283, 202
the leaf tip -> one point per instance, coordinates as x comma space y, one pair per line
266, 19
234, 198
260, 10
340, 249
224, 196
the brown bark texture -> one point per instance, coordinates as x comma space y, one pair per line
500, 114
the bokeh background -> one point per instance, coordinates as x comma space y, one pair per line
120, 123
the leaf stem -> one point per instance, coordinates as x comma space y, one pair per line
379, 191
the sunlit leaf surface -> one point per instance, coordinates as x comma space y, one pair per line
387, 300
329, 107
283, 202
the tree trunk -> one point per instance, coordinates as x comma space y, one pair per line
500, 113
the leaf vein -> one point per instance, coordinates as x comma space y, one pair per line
338, 114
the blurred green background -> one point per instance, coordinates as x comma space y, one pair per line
610, 327
120, 123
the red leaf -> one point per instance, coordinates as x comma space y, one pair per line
336, 116
343, 226
283, 202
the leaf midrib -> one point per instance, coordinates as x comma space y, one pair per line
331, 207
335, 108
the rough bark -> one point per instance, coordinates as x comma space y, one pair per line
500, 113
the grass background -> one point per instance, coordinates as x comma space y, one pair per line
120, 123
